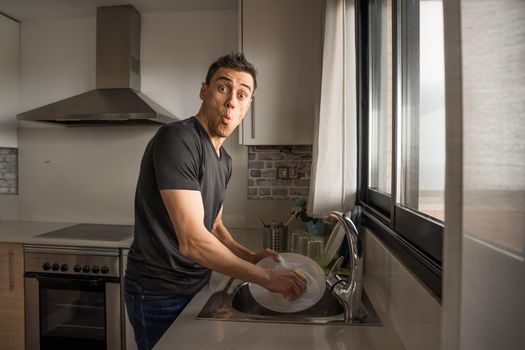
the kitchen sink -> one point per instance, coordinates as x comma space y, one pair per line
235, 303
327, 306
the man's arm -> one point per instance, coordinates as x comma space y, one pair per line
221, 232
186, 211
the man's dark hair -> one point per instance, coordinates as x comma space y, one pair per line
235, 61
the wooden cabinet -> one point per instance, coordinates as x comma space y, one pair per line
9, 81
282, 38
11, 296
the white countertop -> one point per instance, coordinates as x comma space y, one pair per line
17, 231
187, 332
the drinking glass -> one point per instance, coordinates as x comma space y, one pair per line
315, 249
303, 244
293, 241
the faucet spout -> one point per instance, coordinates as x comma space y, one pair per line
348, 291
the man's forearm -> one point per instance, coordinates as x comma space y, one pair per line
222, 233
196, 242
210, 252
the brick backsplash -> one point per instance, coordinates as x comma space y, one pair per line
266, 182
8, 170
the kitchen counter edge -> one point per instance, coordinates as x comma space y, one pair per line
25, 232
188, 332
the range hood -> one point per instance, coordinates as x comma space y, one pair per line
117, 99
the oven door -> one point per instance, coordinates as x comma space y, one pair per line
64, 312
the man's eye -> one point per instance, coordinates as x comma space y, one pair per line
242, 96
222, 88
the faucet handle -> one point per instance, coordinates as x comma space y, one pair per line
333, 278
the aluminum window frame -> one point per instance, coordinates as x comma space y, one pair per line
414, 237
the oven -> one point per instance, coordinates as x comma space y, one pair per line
72, 298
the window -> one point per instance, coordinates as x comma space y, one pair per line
380, 93
402, 147
421, 113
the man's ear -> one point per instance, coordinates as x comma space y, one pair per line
204, 87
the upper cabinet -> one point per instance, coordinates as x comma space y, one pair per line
9, 81
282, 38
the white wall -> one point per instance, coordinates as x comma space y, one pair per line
89, 174
9, 62
493, 269
9, 86
57, 60
9, 207
484, 267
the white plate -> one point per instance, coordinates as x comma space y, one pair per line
316, 284
333, 244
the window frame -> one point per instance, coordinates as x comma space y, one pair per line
415, 238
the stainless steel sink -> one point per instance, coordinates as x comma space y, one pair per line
235, 303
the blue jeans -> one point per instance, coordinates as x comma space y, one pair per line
150, 314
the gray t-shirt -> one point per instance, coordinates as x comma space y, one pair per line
179, 156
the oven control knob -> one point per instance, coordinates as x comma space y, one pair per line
104, 269
77, 268
95, 269
46, 266
63, 268
55, 267
86, 268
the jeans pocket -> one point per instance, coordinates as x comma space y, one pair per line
164, 309
129, 300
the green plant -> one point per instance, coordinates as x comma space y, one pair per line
300, 212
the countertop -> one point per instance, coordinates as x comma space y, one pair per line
18, 231
187, 332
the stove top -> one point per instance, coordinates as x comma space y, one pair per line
96, 232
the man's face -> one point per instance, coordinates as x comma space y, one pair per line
226, 100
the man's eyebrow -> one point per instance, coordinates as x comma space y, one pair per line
230, 80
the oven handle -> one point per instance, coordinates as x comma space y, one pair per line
70, 281
47, 277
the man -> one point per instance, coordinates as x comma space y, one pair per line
179, 233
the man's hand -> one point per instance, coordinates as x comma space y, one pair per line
263, 254
286, 282
289, 283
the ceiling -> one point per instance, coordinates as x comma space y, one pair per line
28, 10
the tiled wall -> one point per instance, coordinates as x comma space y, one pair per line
279, 172
8, 170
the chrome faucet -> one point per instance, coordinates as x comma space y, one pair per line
348, 291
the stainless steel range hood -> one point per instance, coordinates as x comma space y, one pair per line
116, 99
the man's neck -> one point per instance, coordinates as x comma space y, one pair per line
215, 140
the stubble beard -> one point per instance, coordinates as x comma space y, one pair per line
219, 130
213, 120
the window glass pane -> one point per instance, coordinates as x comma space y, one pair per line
380, 92
421, 132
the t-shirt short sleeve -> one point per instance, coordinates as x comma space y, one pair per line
175, 154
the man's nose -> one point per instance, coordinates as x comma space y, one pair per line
230, 102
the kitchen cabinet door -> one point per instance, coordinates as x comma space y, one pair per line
9, 81
282, 38
11, 296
